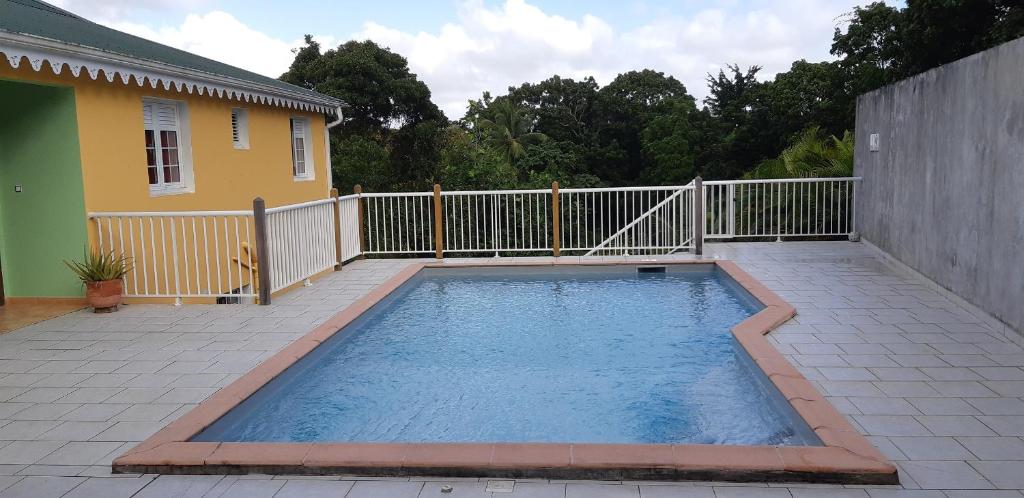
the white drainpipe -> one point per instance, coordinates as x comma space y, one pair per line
327, 143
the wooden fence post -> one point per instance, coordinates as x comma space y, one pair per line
556, 241
358, 190
698, 216
438, 224
259, 220
337, 230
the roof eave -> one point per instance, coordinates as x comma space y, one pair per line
37, 49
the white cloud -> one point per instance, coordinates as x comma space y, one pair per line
491, 48
219, 36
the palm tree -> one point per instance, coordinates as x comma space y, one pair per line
509, 130
812, 155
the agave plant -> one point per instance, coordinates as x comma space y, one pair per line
99, 267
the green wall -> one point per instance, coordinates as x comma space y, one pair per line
45, 223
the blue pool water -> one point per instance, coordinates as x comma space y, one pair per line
587, 354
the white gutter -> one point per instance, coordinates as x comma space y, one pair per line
327, 145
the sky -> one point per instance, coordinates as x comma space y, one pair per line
461, 48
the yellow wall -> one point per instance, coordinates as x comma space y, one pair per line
114, 161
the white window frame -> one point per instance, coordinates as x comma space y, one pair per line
185, 183
240, 128
308, 165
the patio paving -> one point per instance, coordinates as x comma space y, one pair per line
933, 387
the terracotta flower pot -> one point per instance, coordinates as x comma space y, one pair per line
104, 296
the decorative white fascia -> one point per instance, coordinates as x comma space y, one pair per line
124, 69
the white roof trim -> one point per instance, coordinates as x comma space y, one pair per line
117, 67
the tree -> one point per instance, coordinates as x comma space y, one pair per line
507, 130
388, 109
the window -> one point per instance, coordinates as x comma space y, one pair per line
302, 163
240, 128
168, 161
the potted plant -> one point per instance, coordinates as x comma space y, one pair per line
103, 276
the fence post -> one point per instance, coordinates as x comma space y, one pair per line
259, 221
698, 216
358, 190
556, 245
337, 229
438, 224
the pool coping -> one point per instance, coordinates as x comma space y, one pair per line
846, 456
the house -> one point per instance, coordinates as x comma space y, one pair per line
96, 120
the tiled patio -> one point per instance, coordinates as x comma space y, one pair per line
927, 382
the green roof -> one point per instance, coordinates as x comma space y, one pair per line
42, 20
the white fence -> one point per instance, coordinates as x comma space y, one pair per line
300, 241
182, 254
214, 254
797, 207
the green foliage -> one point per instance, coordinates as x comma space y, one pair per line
506, 130
812, 155
100, 267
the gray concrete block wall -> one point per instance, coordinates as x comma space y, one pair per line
944, 194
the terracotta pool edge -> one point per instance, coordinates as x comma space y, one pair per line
847, 457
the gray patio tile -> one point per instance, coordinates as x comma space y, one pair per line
1000, 373
944, 475
253, 488
106, 380
1004, 425
25, 429
593, 490
90, 395
179, 486
152, 412
978, 493
44, 411
899, 374
1004, 474
943, 406
883, 406
828, 492
27, 452
954, 425
675, 491
459, 489
138, 395
41, 487
314, 489
74, 431
385, 489
540, 490
128, 431
891, 425
96, 412
931, 448
998, 406
79, 453
41, 395
1006, 387
750, 492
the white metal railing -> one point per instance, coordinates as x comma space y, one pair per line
794, 207
633, 220
496, 221
348, 222
664, 228
212, 253
182, 254
398, 223
301, 242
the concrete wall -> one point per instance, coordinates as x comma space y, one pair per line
945, 192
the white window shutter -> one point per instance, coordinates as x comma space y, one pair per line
298, 128
166, 116
147, 115
234, 127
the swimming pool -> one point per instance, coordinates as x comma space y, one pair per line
614, 354
552, 369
